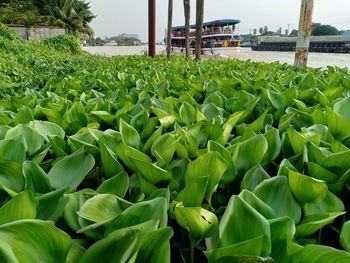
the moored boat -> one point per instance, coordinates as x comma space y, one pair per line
218, 37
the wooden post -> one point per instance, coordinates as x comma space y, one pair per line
170, 23
152, 28
304, 33
187, 10
199, 27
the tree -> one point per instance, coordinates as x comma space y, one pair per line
170, 22
199, 27
266, 30
261, 30
323, 30
294, 33
187, 10
286, 32
279, 31
255, 31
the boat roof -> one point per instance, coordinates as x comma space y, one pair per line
221, 22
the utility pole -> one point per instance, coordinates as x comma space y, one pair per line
170, 23
152, 28
304, 33
199, 27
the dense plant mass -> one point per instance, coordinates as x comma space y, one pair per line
74, 15
132, 159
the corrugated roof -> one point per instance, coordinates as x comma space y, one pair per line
221, 22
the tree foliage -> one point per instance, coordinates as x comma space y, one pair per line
323, 30
74, 15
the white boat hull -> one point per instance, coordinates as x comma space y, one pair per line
209, 51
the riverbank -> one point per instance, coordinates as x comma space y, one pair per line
315, 59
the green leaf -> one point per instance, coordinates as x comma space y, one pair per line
306, 189
117, 185
342, 108
33, 241
275, 192
110, 164
200, 223
254, 177
155, 209
345, 236
32, 140
246, 224
36, 178
11, 178
126, 240
47, 129
22, 206
318, 253
13, 150
257, 204
100, 209
252, 247
330, 203
51, 205
71, 170
129, 134
155, 246
310, 224
250, 153
338, 125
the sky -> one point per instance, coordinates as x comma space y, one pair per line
131, 16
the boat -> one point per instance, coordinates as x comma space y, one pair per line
218, 37
319, 44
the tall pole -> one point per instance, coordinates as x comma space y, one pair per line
152, 28
187, 10
169, 31
304, 33
199, 28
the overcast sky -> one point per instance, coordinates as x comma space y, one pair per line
130, 16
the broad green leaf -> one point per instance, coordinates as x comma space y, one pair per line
345, 236
155, 209
46, 129
194, 192
342, 108
200, 223
70, 171
36, 178
254, 177
126, 240
318, 172
129, 134
51, 205
110, 164
33, 241
311, 224
252, 247
276, 193
117, 185
22, 206
100, 209
338, 125
11, 178
151, 172
318, 253
305, 188
257, 204
13, 150
163, 149
243, 220
250, 153
75, 253
274, 145
330, 203
32, 140
155, 246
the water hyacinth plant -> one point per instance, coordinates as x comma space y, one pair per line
131, 159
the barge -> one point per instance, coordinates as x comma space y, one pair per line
321, 44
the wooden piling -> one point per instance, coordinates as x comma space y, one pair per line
152, 28
304, 33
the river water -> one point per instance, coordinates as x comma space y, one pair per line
315, 59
